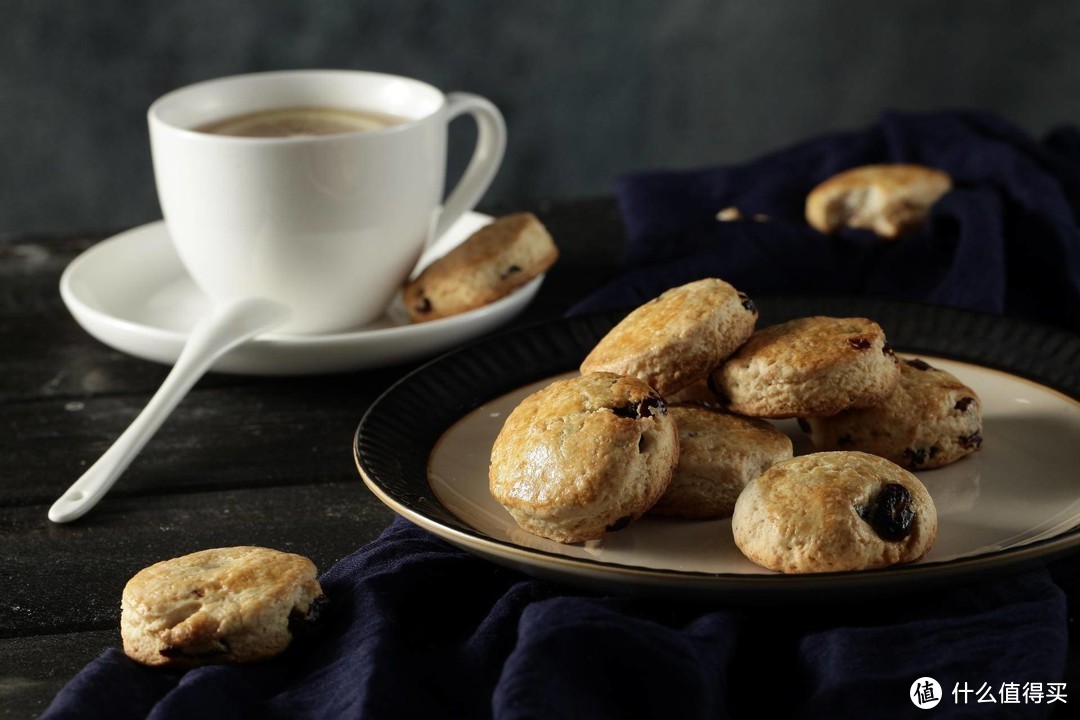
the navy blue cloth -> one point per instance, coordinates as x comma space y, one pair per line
1004, 240
417, 628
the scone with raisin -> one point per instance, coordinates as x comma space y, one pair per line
584, 456
675, 339
930, 420
808, 367
223, 605
834, 511
718, 455
489, 265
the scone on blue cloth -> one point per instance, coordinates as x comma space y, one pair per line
930, 420
891, 199
223, 605
584, 456
834, 511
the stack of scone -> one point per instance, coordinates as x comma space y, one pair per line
670, 415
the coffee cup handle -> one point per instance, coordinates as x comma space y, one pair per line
485, 161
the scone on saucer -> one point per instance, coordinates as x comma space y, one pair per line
489, 265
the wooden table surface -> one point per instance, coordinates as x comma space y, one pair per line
243, 460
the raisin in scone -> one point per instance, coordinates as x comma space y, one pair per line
718, 455
675, 339
808, 367
931, 419
490, 264
834, 511
584, 456
889, 199
223, 605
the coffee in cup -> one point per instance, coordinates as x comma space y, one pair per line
329, 221
299, 121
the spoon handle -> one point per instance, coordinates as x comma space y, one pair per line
228, 326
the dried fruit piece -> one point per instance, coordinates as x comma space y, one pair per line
890, 513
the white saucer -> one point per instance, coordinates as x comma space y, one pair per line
132, 293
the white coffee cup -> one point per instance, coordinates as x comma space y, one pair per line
329, 225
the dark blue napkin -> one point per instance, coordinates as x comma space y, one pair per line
1005, 240
418, 629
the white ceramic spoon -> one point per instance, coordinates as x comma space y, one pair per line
228, 326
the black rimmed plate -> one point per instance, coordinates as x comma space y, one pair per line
423, 449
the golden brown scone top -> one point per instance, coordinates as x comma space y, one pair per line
890, 199
218, 605
489, 265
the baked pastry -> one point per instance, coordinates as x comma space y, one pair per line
490, 264
677, 338
584, 456
808, 367
718, 455
821, 364
699, 392
888, 199
223, 605
930, 420
834, 511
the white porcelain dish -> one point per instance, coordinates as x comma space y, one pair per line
131, 292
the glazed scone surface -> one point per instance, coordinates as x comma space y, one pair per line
583, 456
678, 337
808, 367
930, 420
834, 511
490, 264
219, 605
890, 199
718, 455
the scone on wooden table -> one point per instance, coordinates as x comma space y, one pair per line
808, 367
675, 339
718, 455
490, 264
930, 420
890, 199
223, 605
834, 511
584, 456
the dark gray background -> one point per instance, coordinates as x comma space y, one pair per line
591, 89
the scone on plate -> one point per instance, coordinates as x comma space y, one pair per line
223, 605
930, 420
834, 511
490, 264
718, 455
890, 199
808, 367
584, 456
674, 340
